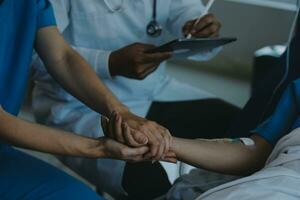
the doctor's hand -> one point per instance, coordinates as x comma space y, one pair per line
135, 131
208, 26
132, 61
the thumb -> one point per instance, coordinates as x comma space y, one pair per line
188, 27
139, 137
104, 124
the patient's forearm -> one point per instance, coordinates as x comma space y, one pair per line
223, 156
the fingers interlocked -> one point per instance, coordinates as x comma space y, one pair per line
146, 133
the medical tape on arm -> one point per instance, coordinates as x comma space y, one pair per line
246, 141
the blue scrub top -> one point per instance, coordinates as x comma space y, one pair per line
19, 22
286, 116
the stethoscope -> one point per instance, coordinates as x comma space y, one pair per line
153, 29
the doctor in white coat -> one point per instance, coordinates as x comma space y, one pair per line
112, 36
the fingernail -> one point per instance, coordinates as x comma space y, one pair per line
104, 117
145, 140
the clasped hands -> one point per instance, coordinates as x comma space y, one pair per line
136, 139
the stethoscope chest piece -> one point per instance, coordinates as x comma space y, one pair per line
154, 29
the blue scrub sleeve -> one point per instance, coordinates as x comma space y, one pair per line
45, 14
284, 117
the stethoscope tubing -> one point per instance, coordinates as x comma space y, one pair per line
154, 24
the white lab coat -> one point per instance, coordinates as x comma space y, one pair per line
95, 31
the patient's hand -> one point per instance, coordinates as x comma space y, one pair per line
116, 128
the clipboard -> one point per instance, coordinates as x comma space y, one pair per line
189, 47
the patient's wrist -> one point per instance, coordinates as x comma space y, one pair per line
175, 145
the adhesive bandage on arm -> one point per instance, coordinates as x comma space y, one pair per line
245, 141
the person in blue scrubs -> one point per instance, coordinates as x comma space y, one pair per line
286, 117
28, 25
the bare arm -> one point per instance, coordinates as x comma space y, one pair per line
223, 156
36, 137
236, 158
74, 73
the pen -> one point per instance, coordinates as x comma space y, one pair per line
207, 7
